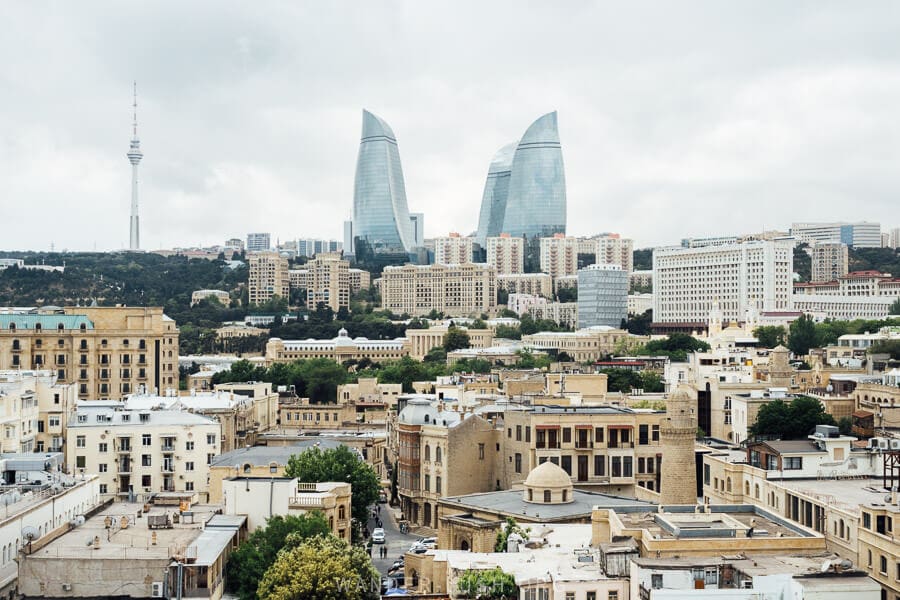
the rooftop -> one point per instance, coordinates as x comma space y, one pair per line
262, 456
511, 502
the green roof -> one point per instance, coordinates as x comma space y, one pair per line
47, 322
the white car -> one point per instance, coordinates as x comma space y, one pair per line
378, 535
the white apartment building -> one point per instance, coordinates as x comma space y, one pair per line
535, 284
750, 276
259, 242
856, 295
453, 249
559, 255
455, 290
138, 453
829, 261
268, 277
641, 278
506, 253
55, 404
18, 412
609, 249
638, 304
862, 234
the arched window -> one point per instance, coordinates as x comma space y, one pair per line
415, 579
530, 495
60, 327
12, 326
247, 468
83, 327
728, 484
342, 512
37, 326
427, 452
546, 495
437, 454
756, 491
746, 488
841, 528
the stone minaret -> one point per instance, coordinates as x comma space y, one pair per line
676, 435
780, 370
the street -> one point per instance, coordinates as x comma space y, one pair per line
397, 543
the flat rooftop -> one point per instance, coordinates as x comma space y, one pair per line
844, 493
723, 521
512, 502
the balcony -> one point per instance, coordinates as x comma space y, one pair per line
620, 445
167, 468
584, 445
308, 502
124, 468
168, 448
123, 449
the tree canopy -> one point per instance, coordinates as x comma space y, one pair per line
488, 584
509, 528
803, 336
676, 346
792, 420
770, 336
338, 464
626, 380
251, 560
455, 339
321, 568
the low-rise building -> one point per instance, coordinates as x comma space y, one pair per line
584, 345
221, 296
534, 284
423, 340
340, 349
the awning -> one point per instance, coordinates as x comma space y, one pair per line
546, 426
863, 414
620, 426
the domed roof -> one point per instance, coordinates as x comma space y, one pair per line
421, 411
342, 338
548, 475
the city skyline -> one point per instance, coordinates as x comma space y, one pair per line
252, 118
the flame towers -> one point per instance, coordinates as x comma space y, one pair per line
525, 192
381, 219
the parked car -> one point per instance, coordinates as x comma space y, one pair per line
382, 498
378, 535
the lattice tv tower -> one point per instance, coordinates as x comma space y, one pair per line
134, 156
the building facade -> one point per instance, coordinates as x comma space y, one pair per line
268, 277
340, 349
534, 284
496, 192
259, 242
609, 249
453, 249
559, 255
506, 254
859, 235
829, 261
456, 290
602, 296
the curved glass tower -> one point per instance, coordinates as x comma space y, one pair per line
496, 189
380, 215
536, 202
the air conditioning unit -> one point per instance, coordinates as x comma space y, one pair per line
895, 444
156, 589
883, 444
67, 587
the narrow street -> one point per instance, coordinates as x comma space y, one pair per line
397, 543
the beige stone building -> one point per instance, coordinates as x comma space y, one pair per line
423, 340
534, 284
268, 277
359, 280
108, 352
222, 296
142, 454
609, 249
829, 261
326, 279
340, 349
457, 290
584, 345
453, 249
506, 254
559, 255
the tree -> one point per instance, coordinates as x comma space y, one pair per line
338, 464
249, 562
790, 421
889, 347
638, 324
322, 377
567, 294
321, 568
676, 346
770, 336
488, 584
455, 339
507, 530
895, 308
803, 336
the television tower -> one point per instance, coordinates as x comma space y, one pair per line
134, 156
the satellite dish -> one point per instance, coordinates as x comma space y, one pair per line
77, 521
846, 564
31, 533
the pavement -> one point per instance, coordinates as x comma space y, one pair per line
397, 543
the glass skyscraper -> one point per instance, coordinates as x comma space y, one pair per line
496, 191
381, 220
536, 202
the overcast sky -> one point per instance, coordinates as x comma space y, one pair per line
676, 118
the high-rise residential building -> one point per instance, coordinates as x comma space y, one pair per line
268, 277
535, 284
359, 280
559, 255
326, 279
381, 218
862, 234
536, 203
259, 242
602, 296
741, 278
506, 253
453, 249
106, 351
234, 244
894, 238
456, 290
609, 249
829, 261
496, 192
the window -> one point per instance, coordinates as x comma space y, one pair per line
591, 596
599, 465
867, 520
189, 446
598, 434
80, 462
792, 463
211, 439
626, 466
437, 484
102, 447
613, 595
80, 441
656, 581
146, 460
643, 435
427, 453
567, 465
427, 483
883, 565
546, 495
480, 451
567, 435
437, 454
189, 486
103, 488
209, 458
528, 434
518, 433
102, 468
189, 465
518, 462
706, 474
146, 440
570, 595
616, 466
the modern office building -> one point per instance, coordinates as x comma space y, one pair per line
859, 235
381, 219
259, 242
746, 277
506, 254
453, 249
310, 247
829, 261
496, 191
536, 203
602, 296
268, 277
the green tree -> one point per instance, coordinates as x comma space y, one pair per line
488, 584
803, 336
770, 336
322, 377
567, 294
436, 355
889, 347
338, 464
508, 332
321, 568
507, 530
895, 308
249, 562
638, 324
790, 421
455, 339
